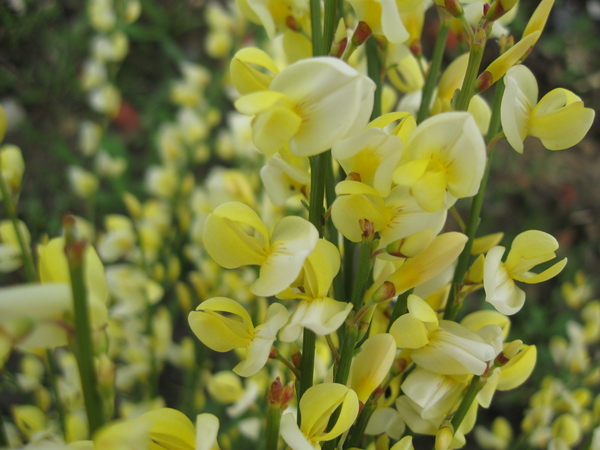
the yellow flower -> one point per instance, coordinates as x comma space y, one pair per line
383, 17
311, 105
316, 407
443, 347
370, 367
280, 256
398, 217
559, 119
529, 249
234, 329
372, 154
317, 312
445, 153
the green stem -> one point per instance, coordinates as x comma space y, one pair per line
467, 401
343, 370
83, 346
3, 436
374, 65
315, 27
359, 427
307, 364
436, 64
346, 354
54, 387
475, 212
319, 166
288, 364
399, 308
468, 87
363, 273
11, 209
348, 265
331, 19
273, 421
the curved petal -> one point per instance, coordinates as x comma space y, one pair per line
170, 428
442, 252
528, 249
292, 435
347, 212
372, 364
207, 428
318, 404
563, 128
320, 269
229, 245
348, 414
518, 369
519, 98
550, 272
292, 241
273, 129
409, 332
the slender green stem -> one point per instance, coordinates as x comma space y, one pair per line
374, 65
55, 393
288, 364
346, 354
399, 308
319, 169
436, 64
343, 370
348, 265
307, 364
334, 352
318, 174
474, 213
82, 345
3, 437
358, 430
459, 220
11, 210
363, 273
468, 87
273, 421
467, 401
315, 27
329, 25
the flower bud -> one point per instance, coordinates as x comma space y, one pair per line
452, 6
444, 436
361, 34
499, 8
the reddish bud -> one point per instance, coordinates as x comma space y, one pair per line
275, 392
501, 359
287, 395
361, 34
384, 292
341, 47
454, 8
486, 8
296, 359
484, 81
416, 48
292, 23
273, 353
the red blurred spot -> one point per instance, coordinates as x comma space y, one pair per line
128, 118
